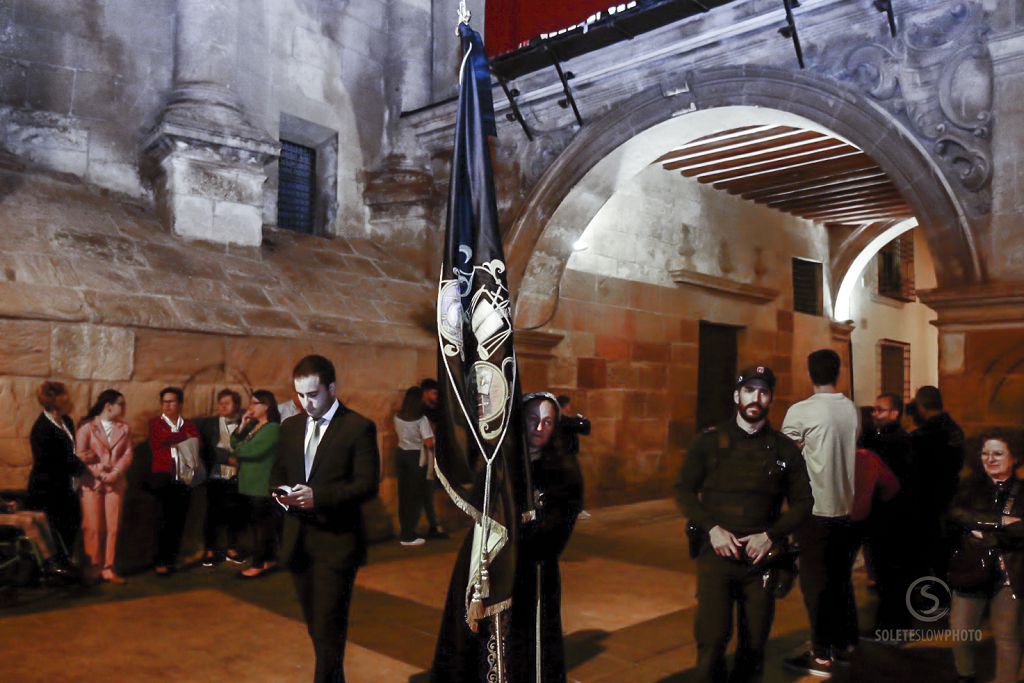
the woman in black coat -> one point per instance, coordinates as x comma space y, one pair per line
532, 655
987, 569
51, 483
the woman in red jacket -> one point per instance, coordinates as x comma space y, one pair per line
173, 496
104, 444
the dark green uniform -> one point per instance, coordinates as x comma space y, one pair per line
738, 481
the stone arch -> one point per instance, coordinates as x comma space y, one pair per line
615, 148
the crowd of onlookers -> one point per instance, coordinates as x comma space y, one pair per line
922, 503
78, 479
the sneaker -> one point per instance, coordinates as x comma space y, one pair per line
844, 656
437, 532
810, 665
235, 557
210, 560
584, 515
415, 541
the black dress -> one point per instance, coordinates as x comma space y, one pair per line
461, 655
50, 483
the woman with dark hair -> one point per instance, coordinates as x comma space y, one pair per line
105, 446
987, 569
52, 482
414, 468
535, 646
255, 448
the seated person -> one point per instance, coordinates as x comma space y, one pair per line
37, 530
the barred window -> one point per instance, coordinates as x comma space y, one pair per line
807, 287
296, 194
896, 269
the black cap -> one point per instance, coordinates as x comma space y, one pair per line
757, 374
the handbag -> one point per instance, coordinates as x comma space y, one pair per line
188, 467
975, 564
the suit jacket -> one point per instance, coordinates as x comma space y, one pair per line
209, 437
345, 474
115, 454
53, 461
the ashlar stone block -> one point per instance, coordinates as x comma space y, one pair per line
26, 348
92, 352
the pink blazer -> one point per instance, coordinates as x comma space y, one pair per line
113, 455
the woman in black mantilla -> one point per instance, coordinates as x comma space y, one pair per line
558, 495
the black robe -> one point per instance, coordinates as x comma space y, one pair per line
461, 655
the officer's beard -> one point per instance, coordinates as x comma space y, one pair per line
753, 412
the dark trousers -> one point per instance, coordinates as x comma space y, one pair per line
64, 514
826, 564
263, 519
325, 593
722, 584
173, 499
226, 512
891, 549
415, 493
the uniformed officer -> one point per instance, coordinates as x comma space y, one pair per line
731, 488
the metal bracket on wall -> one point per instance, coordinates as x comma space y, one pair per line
564, 76
886, 6
515, 114
789, 30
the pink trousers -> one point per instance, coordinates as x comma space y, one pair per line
101, 516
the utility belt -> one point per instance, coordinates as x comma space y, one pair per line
778, 568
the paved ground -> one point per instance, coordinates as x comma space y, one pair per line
628, 609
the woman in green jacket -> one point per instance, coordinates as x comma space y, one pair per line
255, 447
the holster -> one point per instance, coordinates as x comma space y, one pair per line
696, 536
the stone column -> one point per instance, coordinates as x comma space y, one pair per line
207, 160
981, 352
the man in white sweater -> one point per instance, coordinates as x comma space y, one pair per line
825, 425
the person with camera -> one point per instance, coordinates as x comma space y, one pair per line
731, 487
571, 428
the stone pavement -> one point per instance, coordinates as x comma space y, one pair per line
628, 610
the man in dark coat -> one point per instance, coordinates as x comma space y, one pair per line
732, 486
937, 448
531, 655
328, 460
891, 540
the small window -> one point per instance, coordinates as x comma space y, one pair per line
807, 287
890, 275
296, 189
896, 269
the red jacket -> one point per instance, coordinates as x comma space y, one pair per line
161, 439
870, 473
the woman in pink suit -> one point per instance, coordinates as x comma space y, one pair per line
105, 446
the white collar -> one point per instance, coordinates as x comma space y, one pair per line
326, 417
175, 427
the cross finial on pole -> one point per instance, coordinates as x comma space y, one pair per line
464, 15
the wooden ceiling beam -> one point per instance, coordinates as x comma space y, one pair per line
788, 162
735, 153
887, 193
799, 174
823, 183
833, 191
736, 136
882, 207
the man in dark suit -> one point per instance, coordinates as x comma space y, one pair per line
225, 509
328, 457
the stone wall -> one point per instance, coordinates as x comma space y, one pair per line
95, 294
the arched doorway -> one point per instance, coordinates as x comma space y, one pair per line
611, 151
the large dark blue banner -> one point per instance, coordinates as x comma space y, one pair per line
483, 468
